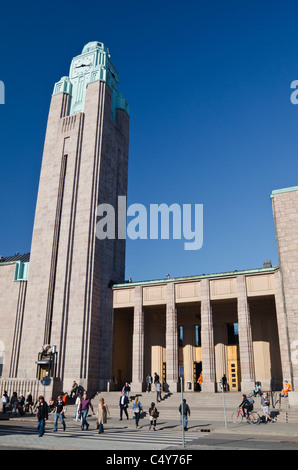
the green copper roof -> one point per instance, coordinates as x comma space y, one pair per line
202, 276
285, 190
93, 64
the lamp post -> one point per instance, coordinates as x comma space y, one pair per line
181, 375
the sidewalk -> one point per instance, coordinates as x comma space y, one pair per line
196, 426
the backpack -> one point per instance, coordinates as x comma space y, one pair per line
250, 401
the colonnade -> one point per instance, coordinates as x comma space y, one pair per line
207, 338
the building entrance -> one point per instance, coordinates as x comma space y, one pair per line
197, 369
233, 368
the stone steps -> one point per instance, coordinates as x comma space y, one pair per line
202, 406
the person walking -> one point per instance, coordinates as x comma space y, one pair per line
156, 377
184, 413
42, 415
60, 408
123, 404
102, 415
77, 405
13, 403
5, 401
149, 383
265, 403
136, 409
83, 409
65, 401
224, 382
29, 403
200, 381
153, 415
158, 391
126, 389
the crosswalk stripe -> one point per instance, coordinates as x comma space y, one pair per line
125, 435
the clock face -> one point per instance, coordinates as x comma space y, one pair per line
82, 65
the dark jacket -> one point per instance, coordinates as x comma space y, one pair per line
42, 411
125, 401
186, 409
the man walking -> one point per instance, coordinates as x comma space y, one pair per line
184, 413
123, 403
83, 409
59, 414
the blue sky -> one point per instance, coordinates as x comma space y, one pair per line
208, 85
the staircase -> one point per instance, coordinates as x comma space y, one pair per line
202, 406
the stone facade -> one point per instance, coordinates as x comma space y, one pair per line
69, 297
285, 212
74, 311
208, 305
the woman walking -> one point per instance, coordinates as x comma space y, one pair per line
102, 414
136, 409
153, 414
77, 404
42, 415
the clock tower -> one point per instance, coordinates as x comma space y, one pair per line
68, 308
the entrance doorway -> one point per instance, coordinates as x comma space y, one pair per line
197, 369
233, 368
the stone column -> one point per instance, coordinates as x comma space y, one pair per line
138, 342
283, 329
207, 339
245, 337
171, 339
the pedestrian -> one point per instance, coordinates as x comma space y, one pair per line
149, 383
265, 405
224, 382
42, 415
51, 405
153, 415
126, 389
13, 403
74, 389
257, 389
59, 413
29, 403
83, 409
200, 381
158, 391
20, 405
137, 409
184, 414
77, 405
156, 377
123, 404
102, 415
5, 401
65, 401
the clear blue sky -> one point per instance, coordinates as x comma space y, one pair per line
208, 85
